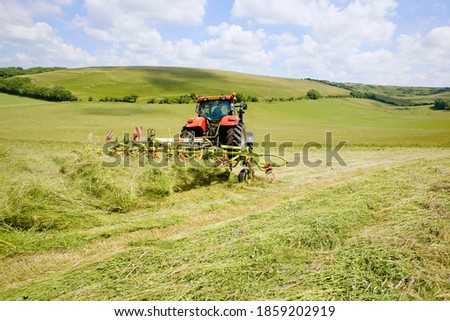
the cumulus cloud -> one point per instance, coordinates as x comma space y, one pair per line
426, 57
106, 14
233, 41
333, 37
35, 42
229, 47
130, 27
46, 7
357, 23
352, 42
135, 39
116, 20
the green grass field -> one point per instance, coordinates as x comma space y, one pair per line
376, 229
360, 122
148, 82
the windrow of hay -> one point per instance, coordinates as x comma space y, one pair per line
84, 186
33, 205
108, 189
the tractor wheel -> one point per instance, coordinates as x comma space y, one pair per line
235, 136
187, 133
243, 175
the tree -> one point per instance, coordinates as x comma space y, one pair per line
440, 104
357, 94
130, 99
313, 94
240, 97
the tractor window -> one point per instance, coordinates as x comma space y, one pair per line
215, 110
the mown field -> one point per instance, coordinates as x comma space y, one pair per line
376, 229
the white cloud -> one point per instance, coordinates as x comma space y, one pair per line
302, 13
135, 42
427, 57
358, 23
233, 41
231, 48
333, 33
47, 7
417, 60
110, 14
117, 20
130, 27
36, 42
335, 40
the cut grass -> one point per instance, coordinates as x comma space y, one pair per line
383, 236
75, 193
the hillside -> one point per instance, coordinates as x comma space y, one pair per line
148, 82
416, 94
397, 95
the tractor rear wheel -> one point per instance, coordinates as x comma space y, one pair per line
235, 136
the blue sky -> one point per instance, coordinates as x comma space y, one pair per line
394, 42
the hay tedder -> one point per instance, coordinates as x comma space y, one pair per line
216, 137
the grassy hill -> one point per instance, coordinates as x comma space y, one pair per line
150, 82
397, 95
416, 94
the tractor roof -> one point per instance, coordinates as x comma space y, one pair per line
231, 98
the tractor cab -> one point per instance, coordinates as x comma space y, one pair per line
215, 108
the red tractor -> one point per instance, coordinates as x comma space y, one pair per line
220, 120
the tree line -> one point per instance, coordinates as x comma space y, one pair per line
22, 86
186, 99
126, 99
8, 72
383, 98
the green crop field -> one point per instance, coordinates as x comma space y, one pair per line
72, 229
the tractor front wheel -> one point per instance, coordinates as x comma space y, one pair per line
187, 133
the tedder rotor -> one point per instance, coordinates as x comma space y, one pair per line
216, 137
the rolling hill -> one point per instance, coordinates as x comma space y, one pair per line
398, 95
149, 82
